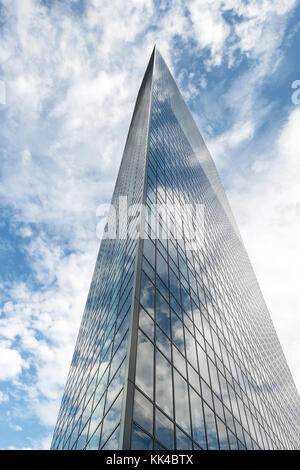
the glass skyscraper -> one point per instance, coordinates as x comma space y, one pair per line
176, 348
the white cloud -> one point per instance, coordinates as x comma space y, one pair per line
11, 362
45, 325
4, 397
2, 93
37, 444
26, 231
220, 147
15, 427
209, 28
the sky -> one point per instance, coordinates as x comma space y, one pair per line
69, 76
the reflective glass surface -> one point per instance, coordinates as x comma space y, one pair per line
221, 379
176, 349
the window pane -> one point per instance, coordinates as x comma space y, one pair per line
183, 442
186, 301
113, 441
190, 348
148, 270
164, 430
163, 343
144, 365
177, 332
203, 364
149, 251
179, 361
174, 285
233, 441
93, 443
147, 294
82, 439
223, 440
111, 419
162, 268
115, 386
163, 392
140, 440
182, 412
197, 419
197, 319
162, 313
146, 323
143, 411
194, 378
158, 446
211, 433
214, 377
96, 416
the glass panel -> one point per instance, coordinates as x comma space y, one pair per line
223, 439
96, 416
203, 364
186, 300
179, 361
164, 430
93, 443
147, 294
211, 432
206, 393
183, 442
113, 441
163, 343
219, 410
182, 412
214, 377
115, 386
177, 332
140, 440
174, 285
111, 419
162, 313
144, 365
163, 390
233, 441
162, 268
102, 384
82, 439
149, 270
149, 251
143, 411
158, 446
190, 348
197, 419
146, 323
194, 378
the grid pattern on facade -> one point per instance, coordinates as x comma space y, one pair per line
180, 339
207, 381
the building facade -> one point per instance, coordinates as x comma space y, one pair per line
176, 348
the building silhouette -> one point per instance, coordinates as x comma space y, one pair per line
176, 348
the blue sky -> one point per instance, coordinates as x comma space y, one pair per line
71, 70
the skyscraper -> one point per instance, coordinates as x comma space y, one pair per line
176, 348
